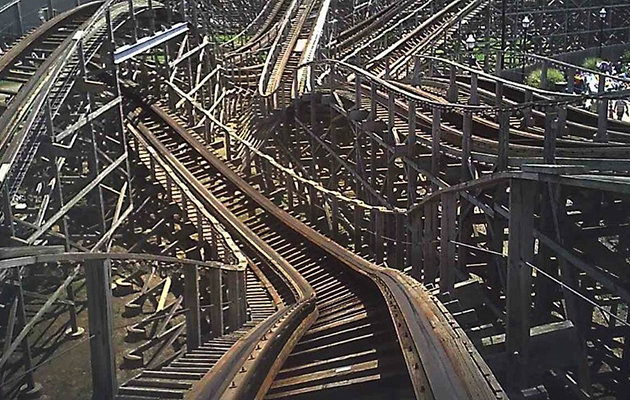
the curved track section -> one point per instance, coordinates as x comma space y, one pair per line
363, 311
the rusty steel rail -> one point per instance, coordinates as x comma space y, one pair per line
23, 49
238, 374
438, 362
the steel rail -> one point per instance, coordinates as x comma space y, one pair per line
267, 76
310, 51
384, 55
285, 325
261, 37
251, 27
383, 29
430, 360
19, 125
25, 261
18, 51
347, 37
19, 102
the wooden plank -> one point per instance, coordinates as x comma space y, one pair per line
416, 245
232, 301
466, 146
519, 278
504, 141
102, 352
192, 306
59, 214
428, 242
448, 233
23, 251
216, 303
551, 132
435, 141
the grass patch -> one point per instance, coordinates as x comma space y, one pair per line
554, 76
591, 63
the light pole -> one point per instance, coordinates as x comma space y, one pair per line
470, 45
602, 19
526, 23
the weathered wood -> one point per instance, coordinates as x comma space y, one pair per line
216, 303
544, 75
416, 245
429, 241
504, 140
192, 306
7, 210
91, 185
241, 290
466, 146
27, 357
452, 92
378, 227
602, 112
358, 228
231, 280
99, 295
474, 89
400, 244
412, 174
435, 141
448, 233
527, 111
551, 132
519, 279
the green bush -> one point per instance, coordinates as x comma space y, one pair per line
626, 56
554, 76
591, 63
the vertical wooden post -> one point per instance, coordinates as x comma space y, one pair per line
412, 174
498, 92
241, 289
51, 10
18, 18
448, 233
466, 146
544, 75
200, 235
228, 145
504, 140
134, 24
551, 125
602, 113
378, 227
334, 217
474, 89
416, 80
102, 354
358, 228
428, 242
289, 186
527, 111
435, 141
8, 211
399, 252
415, 255
519, 279
31, 387
452, 85
232, 299
571, 80
216, 302
191, 303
